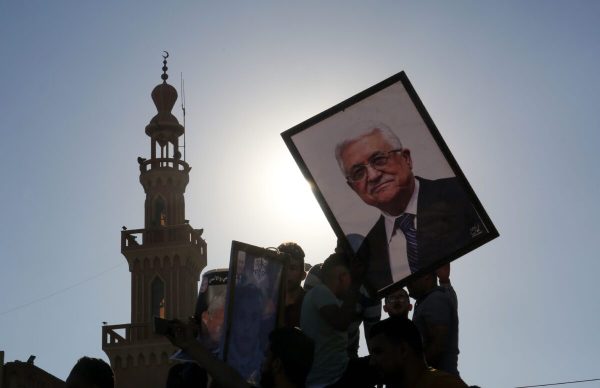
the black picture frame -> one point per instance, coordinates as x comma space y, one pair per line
254, 306
394, 102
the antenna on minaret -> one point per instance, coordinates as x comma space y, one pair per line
183, 109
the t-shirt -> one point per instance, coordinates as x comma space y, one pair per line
331, 357
439, 308
292, 311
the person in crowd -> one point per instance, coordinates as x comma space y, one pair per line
421, 220
286, 363
397, 354
91, 373
443, 275
436, 316
397, 304
327, 312
295, 275
368, 311
288, 360
313, 277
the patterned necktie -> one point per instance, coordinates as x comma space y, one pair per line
406, 224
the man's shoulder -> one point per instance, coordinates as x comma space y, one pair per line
434, 302
378, 226
437, 295
374, 253
447, 187
377, 236
446, 200
434, 378
313, 300
318, 294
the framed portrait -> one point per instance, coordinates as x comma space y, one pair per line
209, 314
210, 307
389, 185
254, 306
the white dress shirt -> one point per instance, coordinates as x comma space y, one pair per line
396, 240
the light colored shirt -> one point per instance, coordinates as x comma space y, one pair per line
331, 356
397, 242
438, 307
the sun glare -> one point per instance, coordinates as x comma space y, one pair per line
291, 196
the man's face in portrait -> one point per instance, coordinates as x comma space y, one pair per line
214, 322
387, 181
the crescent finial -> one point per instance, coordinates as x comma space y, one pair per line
165, 68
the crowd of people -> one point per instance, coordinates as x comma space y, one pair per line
317, 345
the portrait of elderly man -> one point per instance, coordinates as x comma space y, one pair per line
421, 222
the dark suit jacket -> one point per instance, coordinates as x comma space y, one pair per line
446, 221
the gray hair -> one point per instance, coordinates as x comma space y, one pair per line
362, 130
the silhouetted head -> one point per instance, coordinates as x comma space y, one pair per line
420, 286
395, 345
295, 269
289, 355
91, 373
397, 304
335, 274
313, 278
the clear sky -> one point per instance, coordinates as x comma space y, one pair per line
512, 86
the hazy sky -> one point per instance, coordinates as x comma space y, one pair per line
512, 86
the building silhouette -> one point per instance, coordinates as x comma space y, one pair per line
18, 374
165, 257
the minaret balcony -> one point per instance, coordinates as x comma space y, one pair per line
128, 334
182, 234
164, 164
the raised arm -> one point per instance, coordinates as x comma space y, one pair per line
182, 336
340, 317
